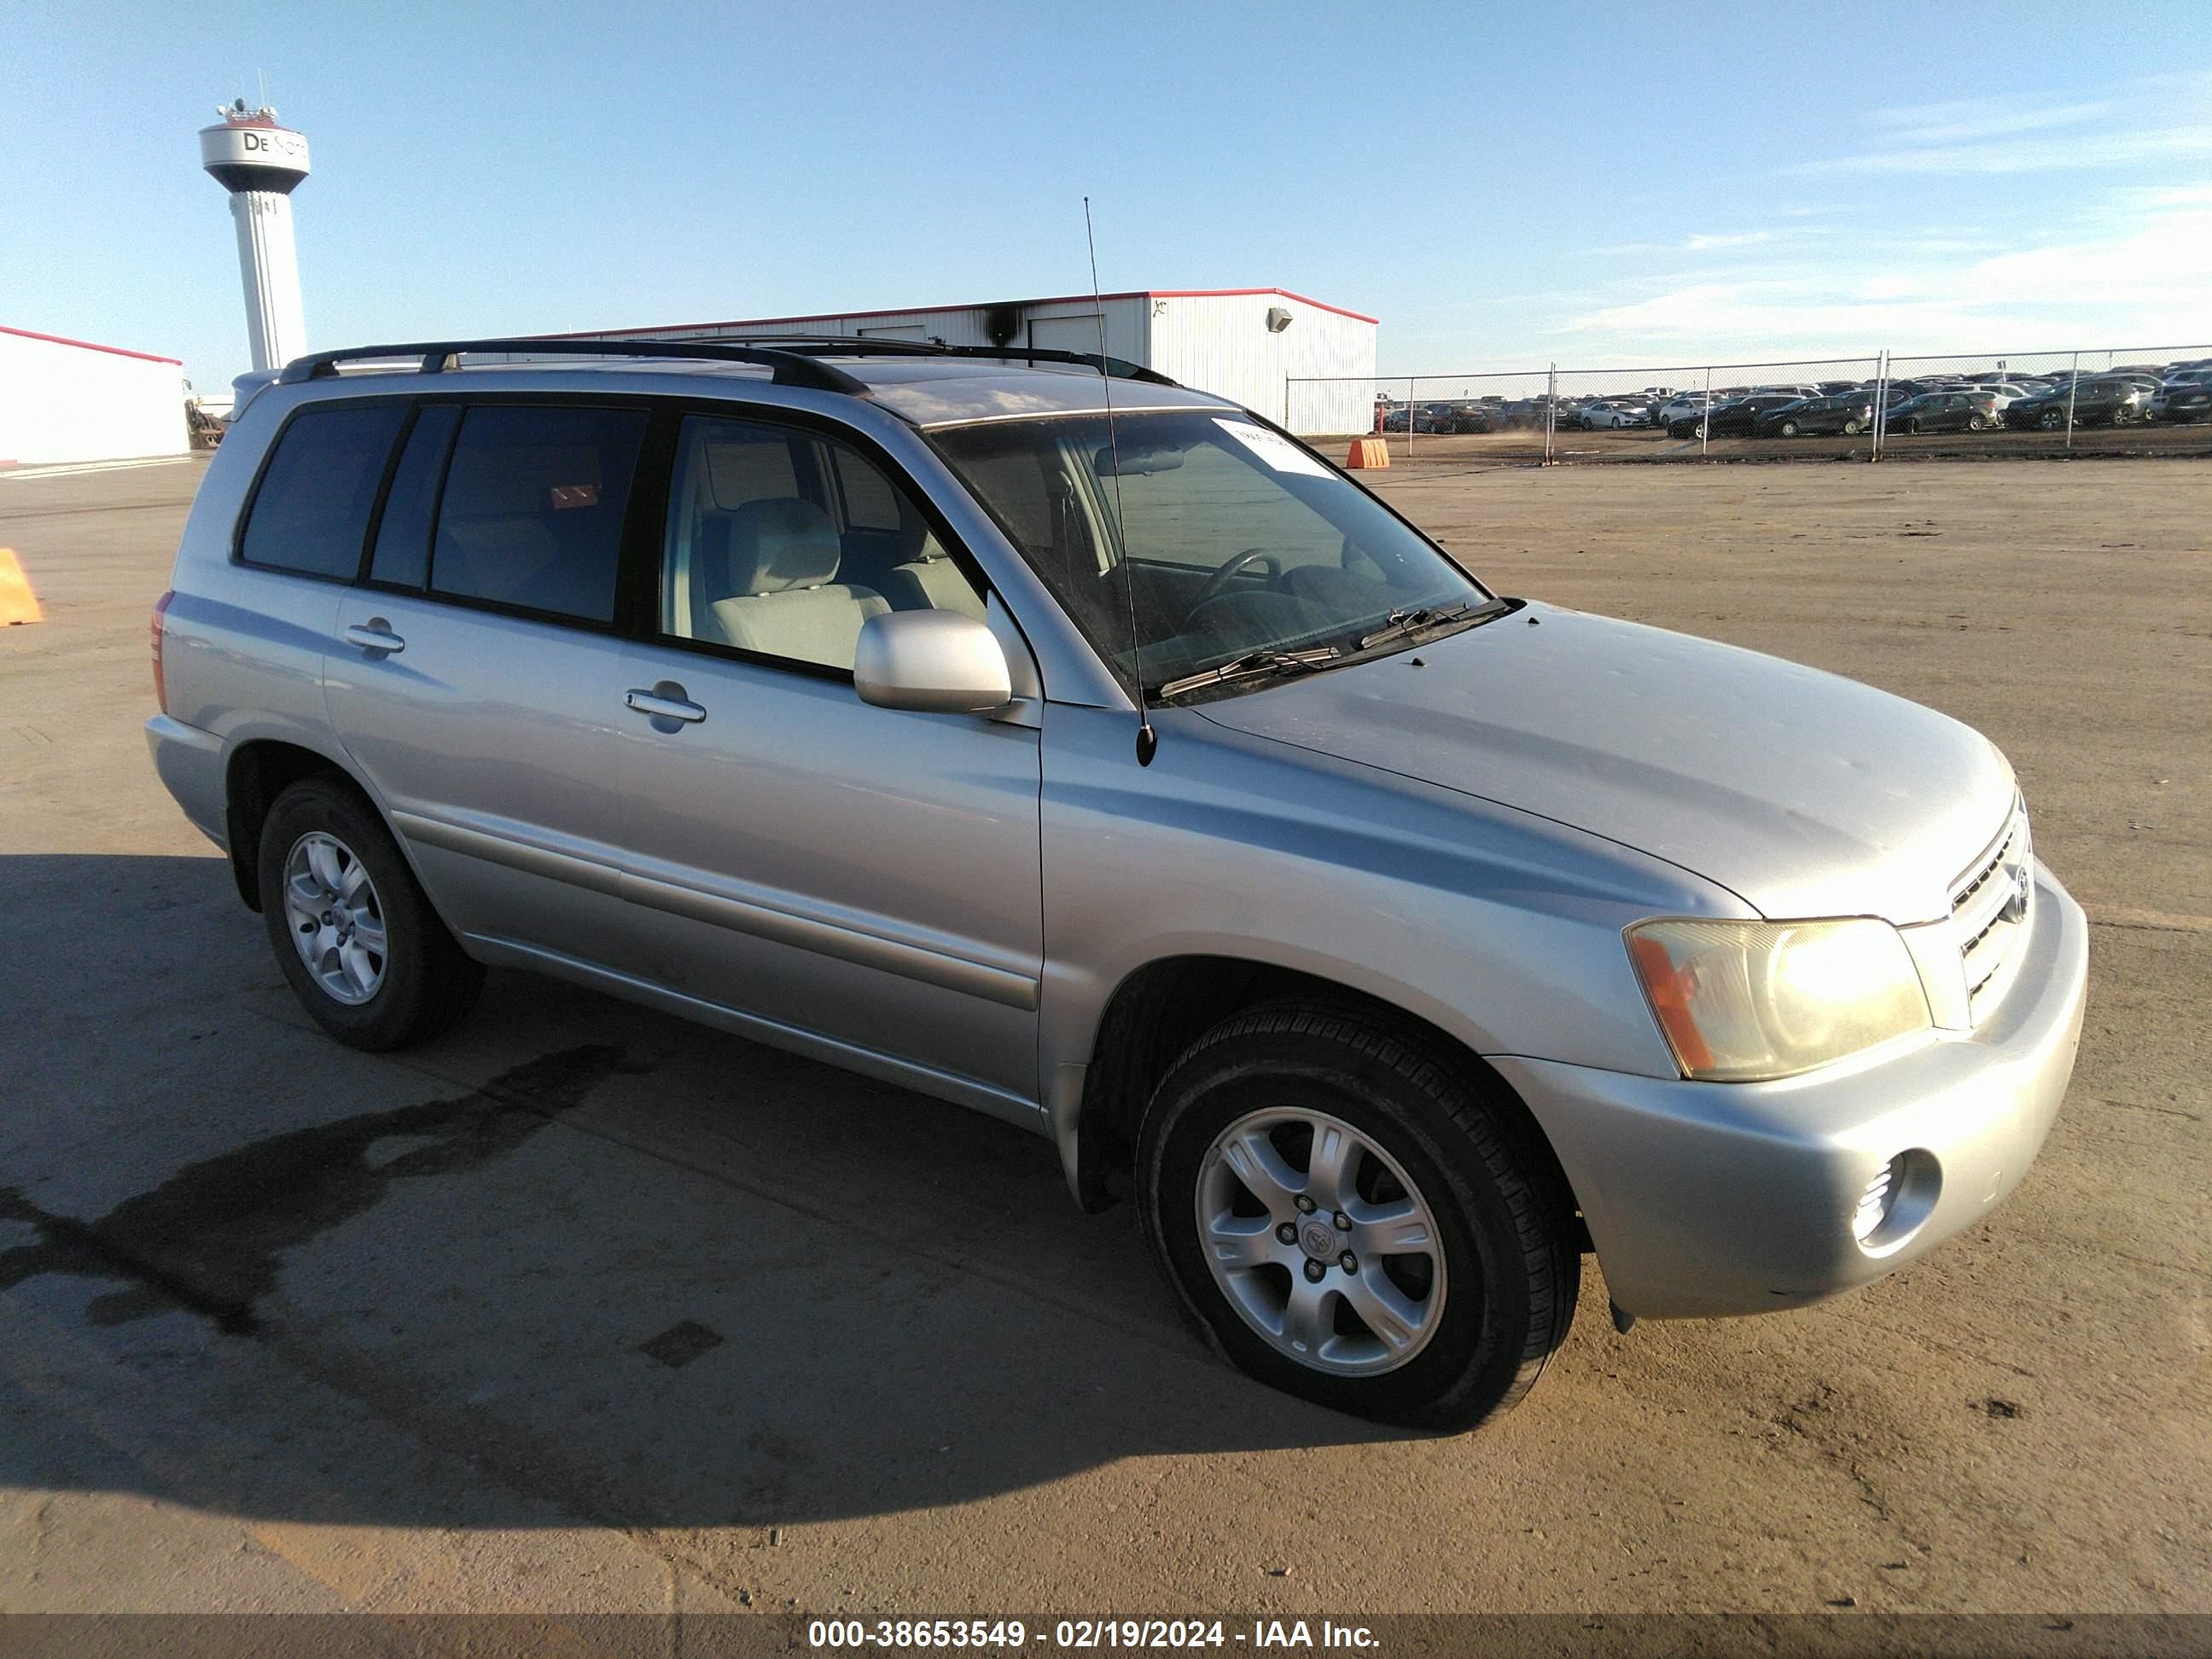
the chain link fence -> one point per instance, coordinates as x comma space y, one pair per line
2129, 400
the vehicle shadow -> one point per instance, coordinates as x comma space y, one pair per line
578, 1260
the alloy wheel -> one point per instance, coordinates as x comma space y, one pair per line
1321, 1242
337, 918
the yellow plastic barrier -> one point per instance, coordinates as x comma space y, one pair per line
17, 603
1367, 452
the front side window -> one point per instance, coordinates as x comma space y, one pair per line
1232, 539
532, 513
782, 543
310, 514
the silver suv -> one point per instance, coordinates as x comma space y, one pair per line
1048, 738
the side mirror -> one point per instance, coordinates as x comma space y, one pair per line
935, 662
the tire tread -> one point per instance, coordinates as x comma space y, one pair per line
1540, 1217
429, 999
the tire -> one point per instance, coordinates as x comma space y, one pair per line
2051, 419
1790, 428
1851, 428
2123, 415
418, 984
1480, 1310
1975, 423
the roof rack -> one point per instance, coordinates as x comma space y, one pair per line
851, 345
792, 367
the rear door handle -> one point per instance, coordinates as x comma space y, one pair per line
666, 701
375, 634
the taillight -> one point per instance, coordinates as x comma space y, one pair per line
160, 690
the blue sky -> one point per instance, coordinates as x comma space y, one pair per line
1503, 185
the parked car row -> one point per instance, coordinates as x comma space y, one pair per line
2174, 393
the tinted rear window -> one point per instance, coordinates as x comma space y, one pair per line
533, 505
310, 512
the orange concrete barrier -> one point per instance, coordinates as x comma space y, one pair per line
1367, 452
17, 603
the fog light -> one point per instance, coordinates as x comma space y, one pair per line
1876, 1201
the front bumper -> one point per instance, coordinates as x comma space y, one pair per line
1710, 1198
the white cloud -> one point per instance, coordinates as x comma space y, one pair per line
1980, 118
1712, 241
2177, 196
2153, 118
2049, 154
2146, 283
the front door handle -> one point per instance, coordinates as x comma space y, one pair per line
665, 701
375, 634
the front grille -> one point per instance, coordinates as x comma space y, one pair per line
1989, 912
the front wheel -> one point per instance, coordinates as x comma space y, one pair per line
1348, 1221
1790, 428
353, 931
2052, 419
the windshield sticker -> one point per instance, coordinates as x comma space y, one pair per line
1278, 453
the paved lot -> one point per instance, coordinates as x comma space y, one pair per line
284, 1326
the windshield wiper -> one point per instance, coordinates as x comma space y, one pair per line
1252, 663
1404, 624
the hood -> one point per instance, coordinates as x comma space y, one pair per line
1804, 793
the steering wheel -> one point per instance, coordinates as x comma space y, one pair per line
1228, 573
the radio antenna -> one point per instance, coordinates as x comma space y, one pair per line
1148, 741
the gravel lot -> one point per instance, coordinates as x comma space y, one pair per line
583, 1308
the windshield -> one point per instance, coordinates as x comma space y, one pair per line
1235, 540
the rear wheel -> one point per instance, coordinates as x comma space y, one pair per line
2123, 415
1790, 428
1344, 1220
1975, 423
1851, 428
353, 931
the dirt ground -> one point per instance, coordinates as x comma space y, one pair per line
583, 1308
2191, 440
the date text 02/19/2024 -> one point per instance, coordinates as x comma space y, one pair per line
1290, 1635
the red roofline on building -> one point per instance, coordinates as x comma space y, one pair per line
1237, 293
924, 311
88, 345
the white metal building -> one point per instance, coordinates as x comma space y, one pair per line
1247, 344
69, 400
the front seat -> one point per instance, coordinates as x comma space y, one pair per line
780, 579
926, 578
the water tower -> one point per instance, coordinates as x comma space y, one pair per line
260, 164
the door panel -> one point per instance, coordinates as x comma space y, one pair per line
865, 873
492, 739
490, 734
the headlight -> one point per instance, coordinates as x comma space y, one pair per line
1744, 1000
